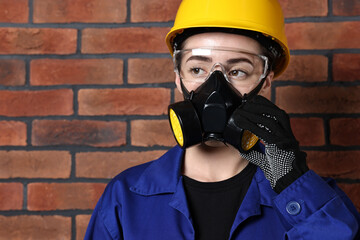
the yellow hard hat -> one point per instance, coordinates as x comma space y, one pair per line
262, 16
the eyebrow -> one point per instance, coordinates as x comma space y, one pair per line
199, 58
237, 60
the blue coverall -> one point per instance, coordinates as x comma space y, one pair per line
148, 202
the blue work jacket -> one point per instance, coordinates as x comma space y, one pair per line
148, 202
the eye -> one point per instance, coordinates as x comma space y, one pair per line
197, 71
237, 74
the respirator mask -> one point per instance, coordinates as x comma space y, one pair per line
205, 113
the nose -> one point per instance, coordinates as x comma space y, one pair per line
218, 66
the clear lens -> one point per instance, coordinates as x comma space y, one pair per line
242, 69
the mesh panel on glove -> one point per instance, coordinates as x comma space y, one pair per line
275, 163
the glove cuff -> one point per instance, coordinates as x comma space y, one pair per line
299, 168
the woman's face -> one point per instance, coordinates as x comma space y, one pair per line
247, 71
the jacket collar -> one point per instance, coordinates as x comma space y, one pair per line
259, 193
163, 175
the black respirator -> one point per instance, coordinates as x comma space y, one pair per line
205, 114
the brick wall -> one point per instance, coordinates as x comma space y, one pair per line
84, 90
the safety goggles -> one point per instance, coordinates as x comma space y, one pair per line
240, 68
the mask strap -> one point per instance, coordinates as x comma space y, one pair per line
255, 91
187, 95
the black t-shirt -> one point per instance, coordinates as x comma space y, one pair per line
213, 205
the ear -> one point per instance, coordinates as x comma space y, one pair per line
177, 82
267, 84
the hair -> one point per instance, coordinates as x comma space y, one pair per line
269, 48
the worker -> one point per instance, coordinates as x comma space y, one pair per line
237, 171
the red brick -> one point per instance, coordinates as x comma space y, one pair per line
12, 72
294, 99
82, 222
346, 7
37, 41
353, 192
139, 101
124, 40
305, 8
35, 164
88, 11
11, 196
158, 70
63, 196
76, 71
345, 131
309, 131
335, 164
13, 133
151, 133
14, 11
308, 68
36, 103
109, 164
35, 227
78, 132
323, 35
346, 67
153, 10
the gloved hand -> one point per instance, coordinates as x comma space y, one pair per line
282, 162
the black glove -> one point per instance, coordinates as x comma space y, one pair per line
283, 162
